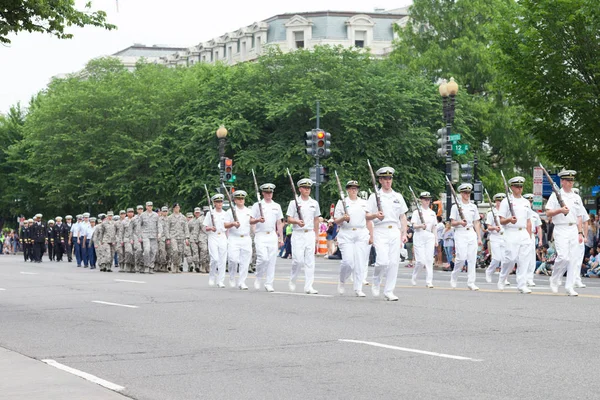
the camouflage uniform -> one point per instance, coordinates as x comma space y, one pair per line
119, 245
127, 262
95, 242
107, 242
203, 247
161, 257
151, 232
178, 234
194, 226
138, 246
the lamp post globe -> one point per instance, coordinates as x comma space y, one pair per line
222, 132
452, 87
443, 88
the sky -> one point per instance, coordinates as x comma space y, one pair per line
32, 59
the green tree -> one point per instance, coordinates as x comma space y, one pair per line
47, 16
445, 38
551, 58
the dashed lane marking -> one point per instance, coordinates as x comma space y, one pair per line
85, 375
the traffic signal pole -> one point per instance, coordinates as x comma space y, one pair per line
317, 166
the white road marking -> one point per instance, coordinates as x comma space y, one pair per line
29, 273
85, 375
126, 280
113, 304
2, 288
429, 353
304, 294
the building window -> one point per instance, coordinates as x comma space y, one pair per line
258, 44
360, 37
252, 42
238, 46
230, 53
216, 56
243, 51
299, 39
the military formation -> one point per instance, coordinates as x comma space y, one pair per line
143, 243
217, 241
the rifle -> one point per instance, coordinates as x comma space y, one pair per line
295, 195
342, 197
512, 211
212, 216
491, 207
377, 198
458, 207
418, 205
555, 188
257, 194
231, 203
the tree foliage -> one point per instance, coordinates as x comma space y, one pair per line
551, 64
47, 16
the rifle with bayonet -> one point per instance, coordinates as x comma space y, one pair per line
377, 198
342, 197
458, 207
555, 188
418, 205
507, 190
210, 209
257, 194
231, 203
295, 195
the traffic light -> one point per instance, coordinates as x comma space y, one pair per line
313, 174
324, 174
228, 169
467, 172
311, 143
478, 191
454, 172
322, 143
442, 142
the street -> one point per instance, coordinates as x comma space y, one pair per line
167, 336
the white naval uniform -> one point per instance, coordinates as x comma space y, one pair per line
496, 242
517, 240
239, 248
424, 243
536, 223
566, 238
465, 241
353, 239
303, 240
265, 240
387, 238
584, 218
217, 246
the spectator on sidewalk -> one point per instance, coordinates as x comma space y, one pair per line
332, 231
448, 238
439, 248
593, 267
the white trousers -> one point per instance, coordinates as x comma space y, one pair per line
303, 255
518, 250
581, 255
497, 247
239, 252
423, 247
387, 243
266, 256
217, 250
465, 247
566, 242
354, 245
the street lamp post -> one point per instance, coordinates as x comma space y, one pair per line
221, 135
448, 92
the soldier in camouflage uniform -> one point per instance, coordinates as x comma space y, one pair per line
161, 257
151, 231
107, 242
99, 250
195, 226
189, 256
127, 263
178, 236
138, 246
120, 233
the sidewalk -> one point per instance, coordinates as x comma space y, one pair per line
24, 378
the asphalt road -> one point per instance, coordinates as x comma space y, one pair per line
181, 339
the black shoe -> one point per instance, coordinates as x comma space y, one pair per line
85, 266
70, 260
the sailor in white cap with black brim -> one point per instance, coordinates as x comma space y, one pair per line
353, 237
467, 236
568, 232
268, 236
217, 241
517, 232
389, 233
424, 239
305, 235
239, 248
495, 238
585, 218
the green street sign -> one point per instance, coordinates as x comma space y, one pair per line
232, 179
454, 138
460, 148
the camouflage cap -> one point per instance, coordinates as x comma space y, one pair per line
189, 215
